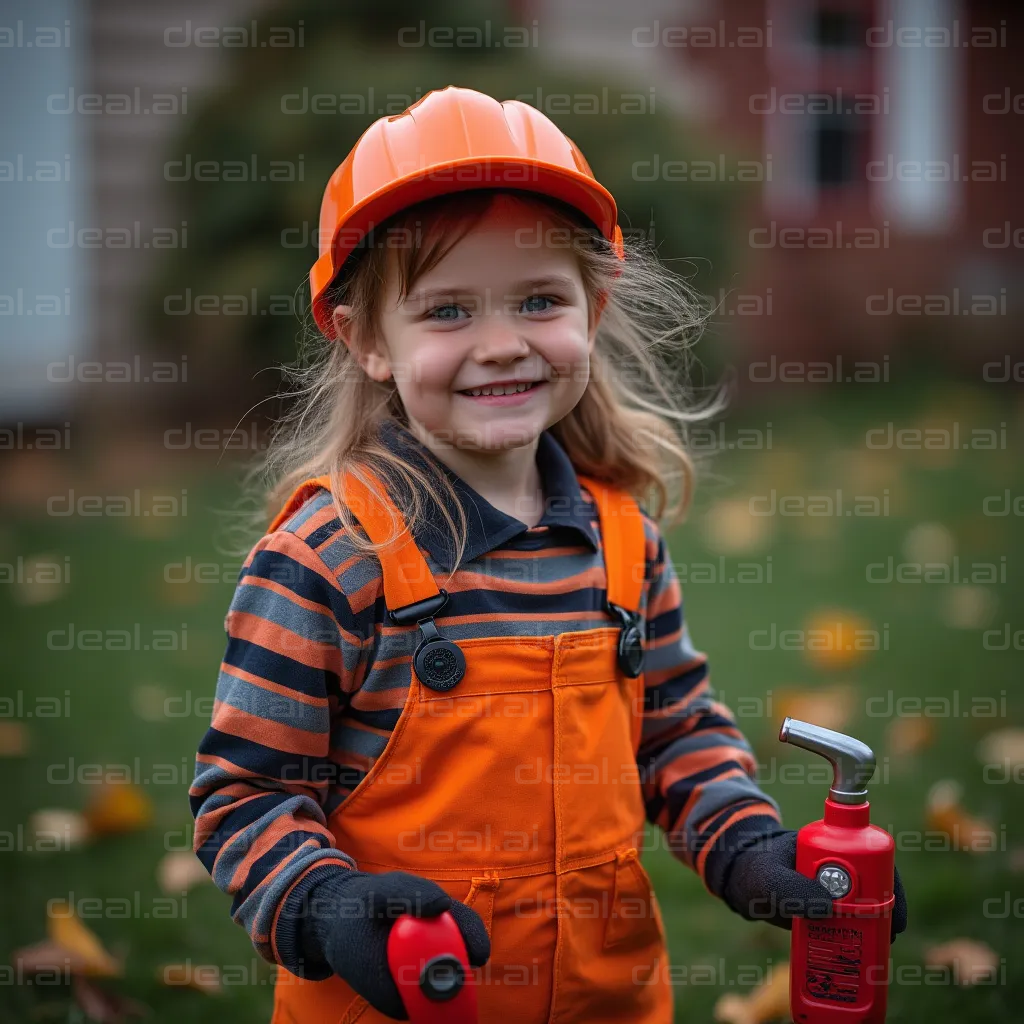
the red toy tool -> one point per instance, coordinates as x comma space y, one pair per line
428, 961
839, 966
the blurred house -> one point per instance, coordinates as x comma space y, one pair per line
889, 138
94, 93
883, 137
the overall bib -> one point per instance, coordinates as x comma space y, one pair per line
517, 791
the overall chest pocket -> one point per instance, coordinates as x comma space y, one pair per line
464, 781
599, 803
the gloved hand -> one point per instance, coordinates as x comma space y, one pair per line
349, 917
762, 884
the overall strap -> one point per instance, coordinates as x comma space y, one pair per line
622, 536
298, 498
407, 578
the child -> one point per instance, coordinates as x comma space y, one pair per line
457, 674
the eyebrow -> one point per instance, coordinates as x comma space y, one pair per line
533, 283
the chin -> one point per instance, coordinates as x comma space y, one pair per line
500, 436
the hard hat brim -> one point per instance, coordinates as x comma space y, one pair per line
576, 189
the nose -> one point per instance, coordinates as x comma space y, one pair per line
498, 340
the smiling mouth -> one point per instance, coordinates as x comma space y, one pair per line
502, 389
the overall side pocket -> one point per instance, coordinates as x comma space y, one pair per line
480, 898
633, 916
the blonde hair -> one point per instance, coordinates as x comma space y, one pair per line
628, 430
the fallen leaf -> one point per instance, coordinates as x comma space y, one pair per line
783, 467
160, 526
817, 528
67, 932
105, 1007
831, 639
967, 606
866, 472
973, 962
118, 807
149, 701
946, 815
181, 593
906, 736
49, 957
57, 829
29, 478
929, 542
41, 579
1004, 747
831, 707
203, 978
14, 739
181, 870
768, 1002
730, 529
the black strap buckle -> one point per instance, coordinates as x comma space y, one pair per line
631, 641
438, 662
425, 609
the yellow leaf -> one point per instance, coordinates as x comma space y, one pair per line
946, 815
906, 736
730, 529
119, 807
768, 1002
14, 739
837, 639
86, 950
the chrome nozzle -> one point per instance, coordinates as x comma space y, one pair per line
853, 762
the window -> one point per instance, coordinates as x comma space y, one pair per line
839, 30
838, 148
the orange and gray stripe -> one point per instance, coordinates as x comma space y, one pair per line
314, 679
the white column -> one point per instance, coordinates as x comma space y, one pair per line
42, 292
923, 130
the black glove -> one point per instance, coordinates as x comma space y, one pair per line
348, 919
762, 884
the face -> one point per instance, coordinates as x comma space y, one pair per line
498, 314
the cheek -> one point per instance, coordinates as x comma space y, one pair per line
435, 375
564, 345
428, 393
430, 365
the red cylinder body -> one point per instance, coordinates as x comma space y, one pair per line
413, 943
839, 966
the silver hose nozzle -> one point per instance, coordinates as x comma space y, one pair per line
853, 762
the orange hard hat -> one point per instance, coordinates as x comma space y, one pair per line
449, 140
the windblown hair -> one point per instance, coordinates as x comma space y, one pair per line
629, 428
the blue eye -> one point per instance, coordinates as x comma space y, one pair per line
446, 308
535, 298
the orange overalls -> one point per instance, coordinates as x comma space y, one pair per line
518, 792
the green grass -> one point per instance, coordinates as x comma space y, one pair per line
117, 581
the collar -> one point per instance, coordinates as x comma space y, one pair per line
489, 527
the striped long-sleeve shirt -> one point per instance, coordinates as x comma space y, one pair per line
314, 679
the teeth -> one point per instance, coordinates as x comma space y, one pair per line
501, 389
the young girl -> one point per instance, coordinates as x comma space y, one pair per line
457, 675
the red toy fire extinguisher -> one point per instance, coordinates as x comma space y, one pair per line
839, 966
428, 961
